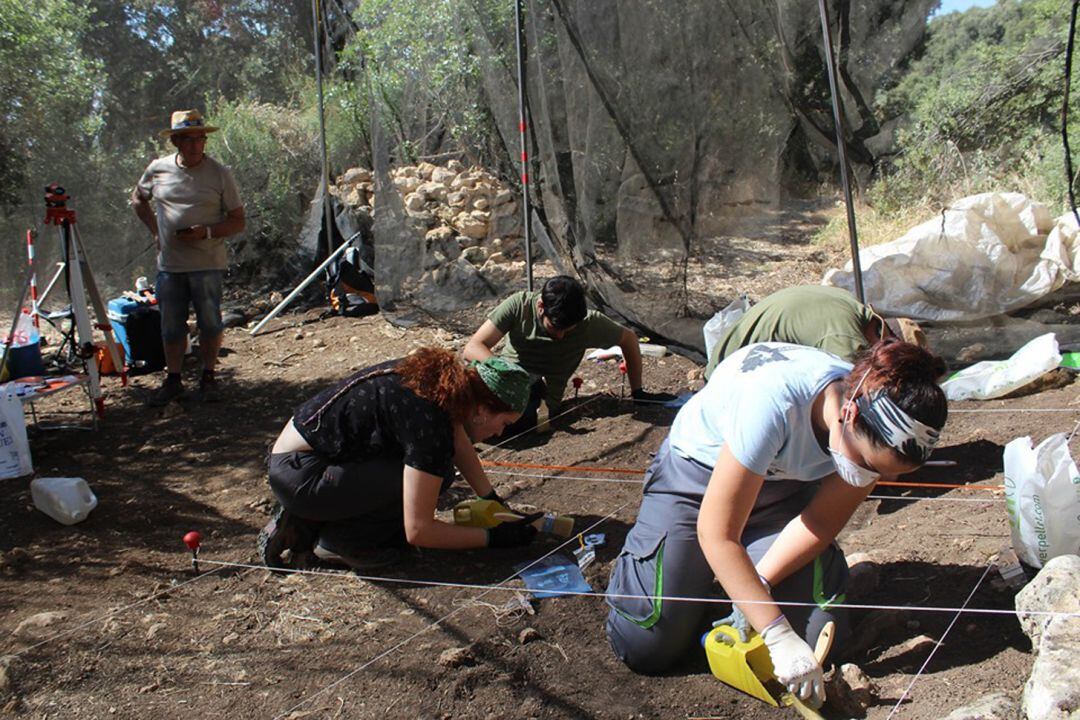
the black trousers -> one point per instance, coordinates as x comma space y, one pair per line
358, 504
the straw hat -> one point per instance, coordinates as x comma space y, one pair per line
184, 122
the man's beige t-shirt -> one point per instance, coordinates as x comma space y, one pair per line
183, 197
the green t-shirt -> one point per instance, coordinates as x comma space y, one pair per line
529, 345
827, 318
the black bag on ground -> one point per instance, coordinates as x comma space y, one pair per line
349, 287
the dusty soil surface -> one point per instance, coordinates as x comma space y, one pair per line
139, 635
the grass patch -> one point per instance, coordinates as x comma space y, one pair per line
874, 227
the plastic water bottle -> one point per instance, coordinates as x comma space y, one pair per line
66, 500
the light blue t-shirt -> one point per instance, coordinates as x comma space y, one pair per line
758, 402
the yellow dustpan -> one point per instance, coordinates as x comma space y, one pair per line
746, 666
742, 665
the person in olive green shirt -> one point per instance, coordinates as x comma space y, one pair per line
827, 318
547, 333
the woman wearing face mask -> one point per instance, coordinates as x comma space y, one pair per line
761, 471
358, 470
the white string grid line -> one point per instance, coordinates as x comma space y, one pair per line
626, 596
940, 642
440, 621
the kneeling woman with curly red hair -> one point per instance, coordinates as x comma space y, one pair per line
358, 469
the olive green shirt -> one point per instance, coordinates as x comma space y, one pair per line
827, 318
529, 345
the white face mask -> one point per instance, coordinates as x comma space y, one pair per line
850, 471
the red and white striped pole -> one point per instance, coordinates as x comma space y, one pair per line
33, 279
522, 128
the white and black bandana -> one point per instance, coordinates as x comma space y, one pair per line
912, 439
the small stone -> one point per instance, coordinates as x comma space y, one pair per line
481, 204
275, 298
414, 202
298, 335
439, 234
969, 353
355, 175
443, 175
850, 691
456, 657
30, 629
230, 639
318, 343
919, 643
475, 255
148, 688
527, 635
154, 630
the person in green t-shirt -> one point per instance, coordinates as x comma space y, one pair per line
827, 318
547, 333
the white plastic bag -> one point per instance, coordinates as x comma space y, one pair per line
719, 323
994, 378
1042, 497
14, 447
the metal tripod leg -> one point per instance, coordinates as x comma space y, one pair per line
99, 307
84, 330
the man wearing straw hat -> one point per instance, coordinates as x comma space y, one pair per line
196, 205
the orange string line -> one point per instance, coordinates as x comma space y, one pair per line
629, 471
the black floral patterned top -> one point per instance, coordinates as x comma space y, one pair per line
371, 414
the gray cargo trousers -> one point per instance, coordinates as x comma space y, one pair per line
661, 560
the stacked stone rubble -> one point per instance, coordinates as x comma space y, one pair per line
470, 214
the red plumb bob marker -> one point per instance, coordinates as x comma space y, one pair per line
193, 539
577, 384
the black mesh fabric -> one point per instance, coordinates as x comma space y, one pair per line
661, 133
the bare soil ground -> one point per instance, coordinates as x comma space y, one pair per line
141, 636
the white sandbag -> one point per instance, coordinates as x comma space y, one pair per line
15, 458
1042, 497
993, 378
985, 255
719, 323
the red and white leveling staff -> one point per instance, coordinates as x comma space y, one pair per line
33, 279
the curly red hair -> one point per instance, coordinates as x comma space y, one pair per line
440, 376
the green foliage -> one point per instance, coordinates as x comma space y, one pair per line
415, 59
274, 153
46, 91
983, 108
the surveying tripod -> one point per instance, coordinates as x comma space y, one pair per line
74, 266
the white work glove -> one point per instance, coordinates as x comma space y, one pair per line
794, 664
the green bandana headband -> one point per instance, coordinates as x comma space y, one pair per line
510, 382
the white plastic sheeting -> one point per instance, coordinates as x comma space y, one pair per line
986, 255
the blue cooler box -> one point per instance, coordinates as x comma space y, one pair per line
137, 326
